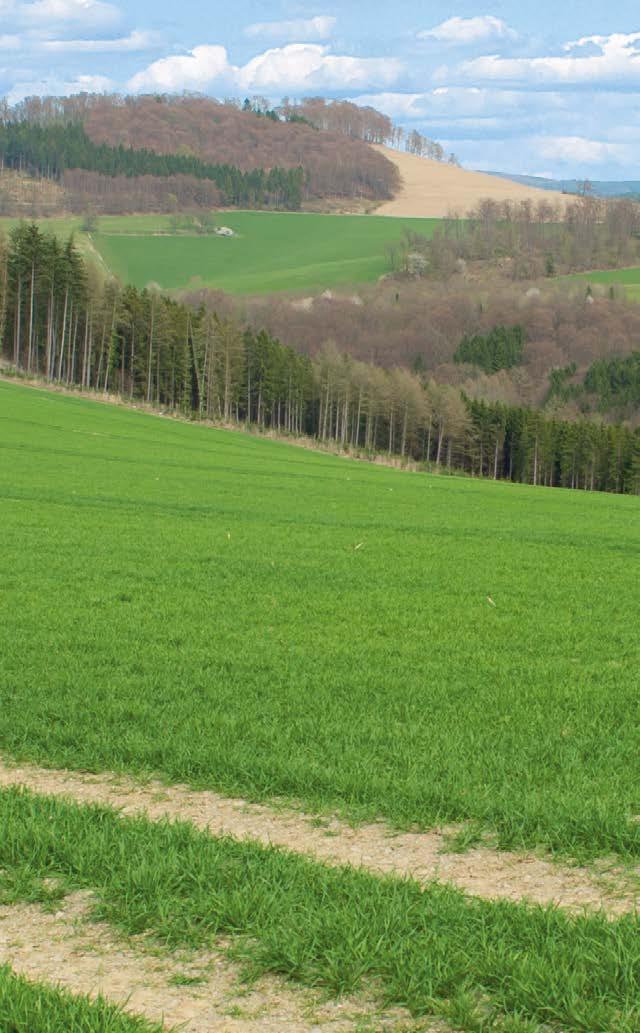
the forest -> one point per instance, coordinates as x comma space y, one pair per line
48, 151
421, 324
59, 321
199, 131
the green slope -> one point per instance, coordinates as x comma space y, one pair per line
271, 252
192, 602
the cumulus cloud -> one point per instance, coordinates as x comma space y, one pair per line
593, 60
297, 66
308, 29
195, 70
464, 31
310, 66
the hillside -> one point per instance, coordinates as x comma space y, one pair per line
335, 164
433, 190
269, 252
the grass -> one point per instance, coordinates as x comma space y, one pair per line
27, 1007
483, 965
628, 279
271, 252
190, 602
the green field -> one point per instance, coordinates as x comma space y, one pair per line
628, 279
192, 602
272, 251
233, 612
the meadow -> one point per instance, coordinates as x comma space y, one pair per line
627, 279
237, 613
272, 251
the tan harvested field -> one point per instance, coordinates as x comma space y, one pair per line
433, 190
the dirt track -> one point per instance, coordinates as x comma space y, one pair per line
191, 992
434, 190
481, 872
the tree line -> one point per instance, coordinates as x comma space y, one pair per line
50, 150
526, 240
58, 320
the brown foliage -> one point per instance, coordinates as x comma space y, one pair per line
343, 117
419, 325
120, 195
336, 165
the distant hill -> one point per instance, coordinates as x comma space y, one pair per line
600, 188
433, 189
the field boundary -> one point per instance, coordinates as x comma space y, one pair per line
298, 441
422, 856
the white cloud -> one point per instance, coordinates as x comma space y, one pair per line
10, 42
134, 42
463, 31
318, 28
87, 13
196, 70
578, 150
310, 66
298, 66
616, 61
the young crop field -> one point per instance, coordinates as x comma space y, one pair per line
271, 251
241, 614
231, 613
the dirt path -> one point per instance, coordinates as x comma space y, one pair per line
195, 992
482, 872
434, 190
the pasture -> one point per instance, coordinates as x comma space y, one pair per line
232, 612
272, 251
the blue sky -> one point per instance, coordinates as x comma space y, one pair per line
545, 88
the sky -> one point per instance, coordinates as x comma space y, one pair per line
542, 88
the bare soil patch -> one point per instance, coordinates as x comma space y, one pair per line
424, 856
194, 992
434, 190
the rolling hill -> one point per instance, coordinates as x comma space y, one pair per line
433, 190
